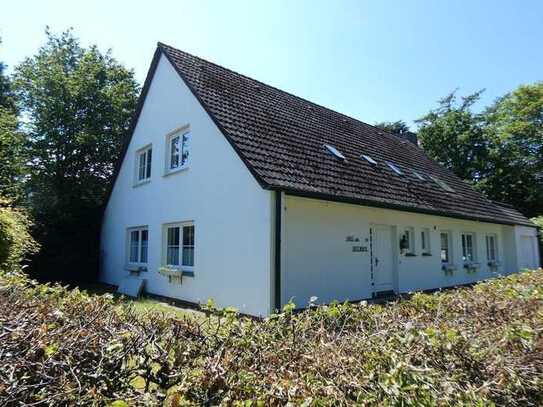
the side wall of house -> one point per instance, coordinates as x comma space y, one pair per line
232, 214
320, 238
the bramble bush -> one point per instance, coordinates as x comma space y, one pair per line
469, 346
15, 239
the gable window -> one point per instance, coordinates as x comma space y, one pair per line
138, 243
177, 150
491, 248
468, 249
179, 245
445, 238
144, 158
425, 241
407, 244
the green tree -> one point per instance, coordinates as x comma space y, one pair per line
514, 128
454, 136
397, 127
12, 158
78, 102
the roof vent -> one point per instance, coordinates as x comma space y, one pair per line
442, 184
418, 175
334, 151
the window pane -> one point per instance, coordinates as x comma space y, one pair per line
188, 235
149, 157
186, 149
188, 256
444, 247
144, 244
174, 152
172, 250
141, 168
134, 244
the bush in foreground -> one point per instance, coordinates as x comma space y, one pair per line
480, 345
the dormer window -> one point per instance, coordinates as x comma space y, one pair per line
334, 151
177, 150
394, 168
368, 159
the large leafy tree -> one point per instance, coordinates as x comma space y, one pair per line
78, 102
12, 141
514, 128
454, 136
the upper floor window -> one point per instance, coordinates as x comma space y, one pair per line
138, 242
144, 158
491, 248
468, 247
178, 150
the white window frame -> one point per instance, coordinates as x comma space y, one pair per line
180, 247
147, 168
138, 264
410, 250
464, 238
448, 233
494, 237
181, 133
425, 244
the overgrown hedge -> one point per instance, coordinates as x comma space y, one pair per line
478, 345
15, 239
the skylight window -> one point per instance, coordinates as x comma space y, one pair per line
394, 168
418, 175
334, 151
368, 159
442, 184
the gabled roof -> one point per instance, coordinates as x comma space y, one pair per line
281, 138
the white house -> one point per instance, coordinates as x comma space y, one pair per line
233, 190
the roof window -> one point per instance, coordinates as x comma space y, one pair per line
394, 168
368, 159
418, 175
441, 183
334, 151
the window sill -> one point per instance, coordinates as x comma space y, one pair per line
175, 170
167, 270
410, 255
135, 267
427, 254
140, 183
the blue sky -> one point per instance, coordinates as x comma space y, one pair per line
378, 60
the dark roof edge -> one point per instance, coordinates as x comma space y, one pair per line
133, 123
385, 205
258, 178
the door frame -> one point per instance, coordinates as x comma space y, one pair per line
393, 255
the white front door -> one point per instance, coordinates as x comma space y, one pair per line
382, 258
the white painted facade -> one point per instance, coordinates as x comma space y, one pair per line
234, 221
230, 211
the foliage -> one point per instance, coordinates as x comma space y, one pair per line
514, 128
539, 223
470, 346
12, 156
453, 135
15, 240
78, 102
397, 127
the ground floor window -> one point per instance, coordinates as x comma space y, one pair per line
138, 243
491, 247
468, 251
425, 241
445, 247
179, 245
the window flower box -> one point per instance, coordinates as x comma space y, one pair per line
472, 267
174, 275
448, 268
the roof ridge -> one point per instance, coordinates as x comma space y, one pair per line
390, 135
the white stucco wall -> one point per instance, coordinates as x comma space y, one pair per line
230, 211
318, 261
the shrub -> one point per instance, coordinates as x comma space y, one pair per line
470, 346
15, 240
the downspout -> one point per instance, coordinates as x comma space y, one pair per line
277, 244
